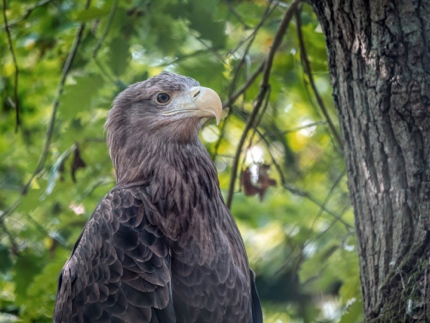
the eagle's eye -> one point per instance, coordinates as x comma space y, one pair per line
163, 98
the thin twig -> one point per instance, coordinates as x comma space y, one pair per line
278, 132
50, 130
292, 258
15, 247
320, 212
244, 86
237, 68
255, 129
185, 57
251, 38
305, 126
208, 47
65, 72
12, 52
44, 232
27, 13
238, 17
266, 15
102, 38
308, 71
307, 195
233, 97
106, 30
260, 118
324, 203
236, 72
221, 136
297, 191
261, 95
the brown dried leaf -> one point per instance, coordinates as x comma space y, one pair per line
264, 180
248, 187
262, 184
77, 163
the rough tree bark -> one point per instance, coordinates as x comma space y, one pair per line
379, 59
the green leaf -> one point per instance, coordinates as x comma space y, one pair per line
201, 16
41, 292
27, 266
91, 14
77, 97
354, 313
119, 55
5, 261
55, 169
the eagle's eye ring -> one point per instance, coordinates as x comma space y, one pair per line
163, 98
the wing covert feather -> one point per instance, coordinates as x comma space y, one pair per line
120, 267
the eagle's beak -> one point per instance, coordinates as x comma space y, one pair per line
207, 103
203, 102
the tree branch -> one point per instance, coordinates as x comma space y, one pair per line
44, 232
238, 17
27, 13
308, 71
12, 52
50, 130
251, 38
255, 129
290, 259
101, 40
208, 47
233, 97
297, 191
320, 212
244, 86
261, 95
185, 57
65, 72
15, 247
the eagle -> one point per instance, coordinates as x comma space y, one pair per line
161, 246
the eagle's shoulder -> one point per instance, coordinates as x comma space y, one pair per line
120, 266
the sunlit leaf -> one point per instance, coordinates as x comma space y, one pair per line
90, 14
77, 97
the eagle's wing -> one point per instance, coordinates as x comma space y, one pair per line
257, 313
120, 267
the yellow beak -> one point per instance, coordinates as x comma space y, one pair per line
207, 102
202, 102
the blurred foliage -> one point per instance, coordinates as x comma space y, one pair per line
299, 237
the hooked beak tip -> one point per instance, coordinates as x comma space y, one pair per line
208, 102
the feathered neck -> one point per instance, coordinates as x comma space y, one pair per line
140, 162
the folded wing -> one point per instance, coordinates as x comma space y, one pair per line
120, 267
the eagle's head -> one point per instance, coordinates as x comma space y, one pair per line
164, 109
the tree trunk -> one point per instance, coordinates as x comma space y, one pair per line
379, 59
